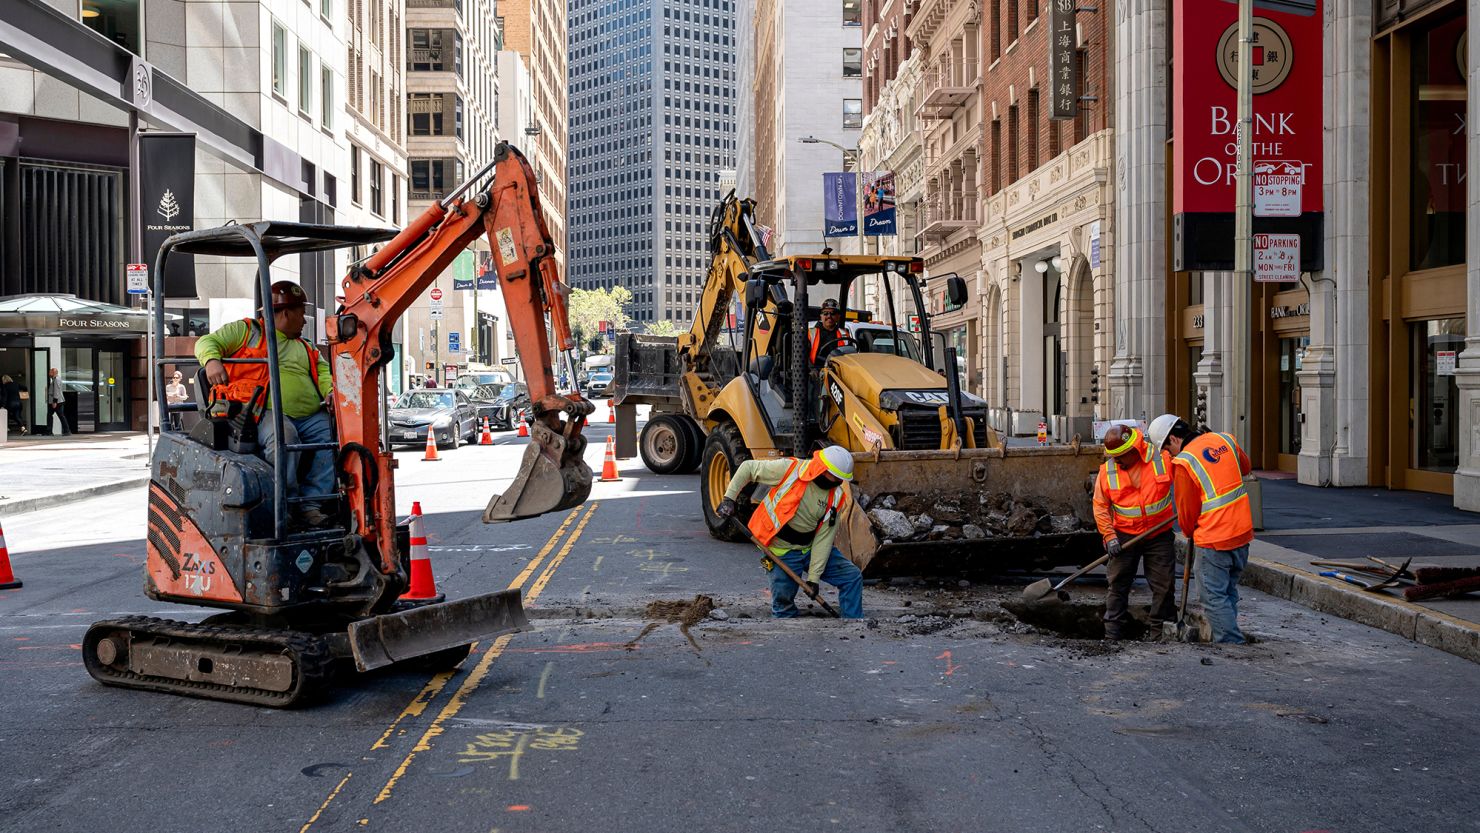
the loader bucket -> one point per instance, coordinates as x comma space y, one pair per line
979, 487
552, 476
382, 640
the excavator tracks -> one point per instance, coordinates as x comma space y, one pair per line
238, 664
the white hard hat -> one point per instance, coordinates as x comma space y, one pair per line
1160, 428
838, 460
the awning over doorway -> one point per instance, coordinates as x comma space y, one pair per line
56, 314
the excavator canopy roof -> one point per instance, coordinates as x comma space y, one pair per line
278, 238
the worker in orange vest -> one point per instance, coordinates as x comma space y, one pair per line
306, 387
829, 333
1133, 494
796, 522
1213, 511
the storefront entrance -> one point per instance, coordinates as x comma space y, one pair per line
95, 383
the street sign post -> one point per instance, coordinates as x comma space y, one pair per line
436, 309
436, 294
138, 278
1276, 258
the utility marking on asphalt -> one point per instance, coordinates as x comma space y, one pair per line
322, 807
489, 747
950, 666
544, 677
596, 565
475, 679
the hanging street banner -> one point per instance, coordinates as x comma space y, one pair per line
487, 275
462, 272
840, 205
1288, 128
167, 203
878, 203
1063, 103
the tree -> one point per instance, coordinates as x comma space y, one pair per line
663, 328
589, 307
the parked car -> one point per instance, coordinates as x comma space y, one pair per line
503, 409
600, 383
471, 380
448, 413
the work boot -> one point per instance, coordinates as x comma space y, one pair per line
313, 517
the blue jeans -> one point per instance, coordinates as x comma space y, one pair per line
840, 573
1218, 572
314, 428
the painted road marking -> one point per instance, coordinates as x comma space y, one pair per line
322, 807
544, 678
475, 679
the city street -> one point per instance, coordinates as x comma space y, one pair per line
605, 718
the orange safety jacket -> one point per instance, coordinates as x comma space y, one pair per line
780, 504
1133, 492
246, 378
1223, 520
817, 341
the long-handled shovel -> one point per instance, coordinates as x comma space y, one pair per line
1186, 586
1045, 590
790, 573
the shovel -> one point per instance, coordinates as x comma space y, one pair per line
1181, 626
1045, 590
790, 573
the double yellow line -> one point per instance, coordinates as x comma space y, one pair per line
423, 699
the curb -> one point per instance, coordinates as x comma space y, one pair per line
18, 507
1396, 616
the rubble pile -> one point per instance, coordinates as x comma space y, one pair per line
903, 518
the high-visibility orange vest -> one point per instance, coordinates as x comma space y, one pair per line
817, 341
1212, 460
246, 378
779, 505
1138, 507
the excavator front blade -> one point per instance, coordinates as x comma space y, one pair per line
382, 640
543, 484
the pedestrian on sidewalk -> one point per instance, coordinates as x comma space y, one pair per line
55, 401
1133, 494
796, 521
10, 400
306, 386
176, 394
1213, 511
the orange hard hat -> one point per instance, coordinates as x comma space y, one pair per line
288, 295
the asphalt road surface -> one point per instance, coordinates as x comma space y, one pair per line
605, 719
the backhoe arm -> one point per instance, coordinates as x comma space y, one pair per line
553, 475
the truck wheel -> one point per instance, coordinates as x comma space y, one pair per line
724, 451
665, 444
696, 444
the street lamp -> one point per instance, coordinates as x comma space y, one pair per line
850, 155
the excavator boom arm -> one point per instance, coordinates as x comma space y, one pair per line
379, 291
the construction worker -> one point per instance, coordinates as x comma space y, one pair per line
1133, 494
796, 521
829, 333
1213, 511
306, 387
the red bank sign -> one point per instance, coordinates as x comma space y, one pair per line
1287, 109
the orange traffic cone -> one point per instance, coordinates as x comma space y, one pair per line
523, 425
611, 412
609, 463
431, 445
7, 578
423, 585
487, 437
416, 508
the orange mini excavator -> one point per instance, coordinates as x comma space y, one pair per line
303, 602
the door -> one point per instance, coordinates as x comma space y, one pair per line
79, 388
111, 385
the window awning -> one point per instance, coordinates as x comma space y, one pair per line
57, 314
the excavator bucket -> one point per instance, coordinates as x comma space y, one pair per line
382, 640
979, 511
553, 476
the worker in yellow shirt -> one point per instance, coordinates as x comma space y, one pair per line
796, 521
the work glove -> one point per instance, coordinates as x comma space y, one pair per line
812, 588
726, 509
1113, 547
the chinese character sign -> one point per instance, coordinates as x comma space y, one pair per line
878, 203
1063, 102
839, 205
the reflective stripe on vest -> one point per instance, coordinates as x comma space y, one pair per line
817, 341
771, 504
1151, 510
1212, 499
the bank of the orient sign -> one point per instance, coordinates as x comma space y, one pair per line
1287, 130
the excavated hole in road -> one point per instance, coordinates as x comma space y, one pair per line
1086, 620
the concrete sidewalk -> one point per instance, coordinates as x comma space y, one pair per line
41, 472
1305, 523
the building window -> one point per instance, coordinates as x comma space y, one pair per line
852, 13
279, 60
996, 29
996, 182
1012, 21
377, 194
305, 81
457, 115
116, 20
1437, 172
1436, 346
326, 9
432, 50
853, 112
354, 174
852, 63
395, 200
1033, 128
425, 111
1012, 144
326, 97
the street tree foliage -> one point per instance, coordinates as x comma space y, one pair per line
663, 328
589, 307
